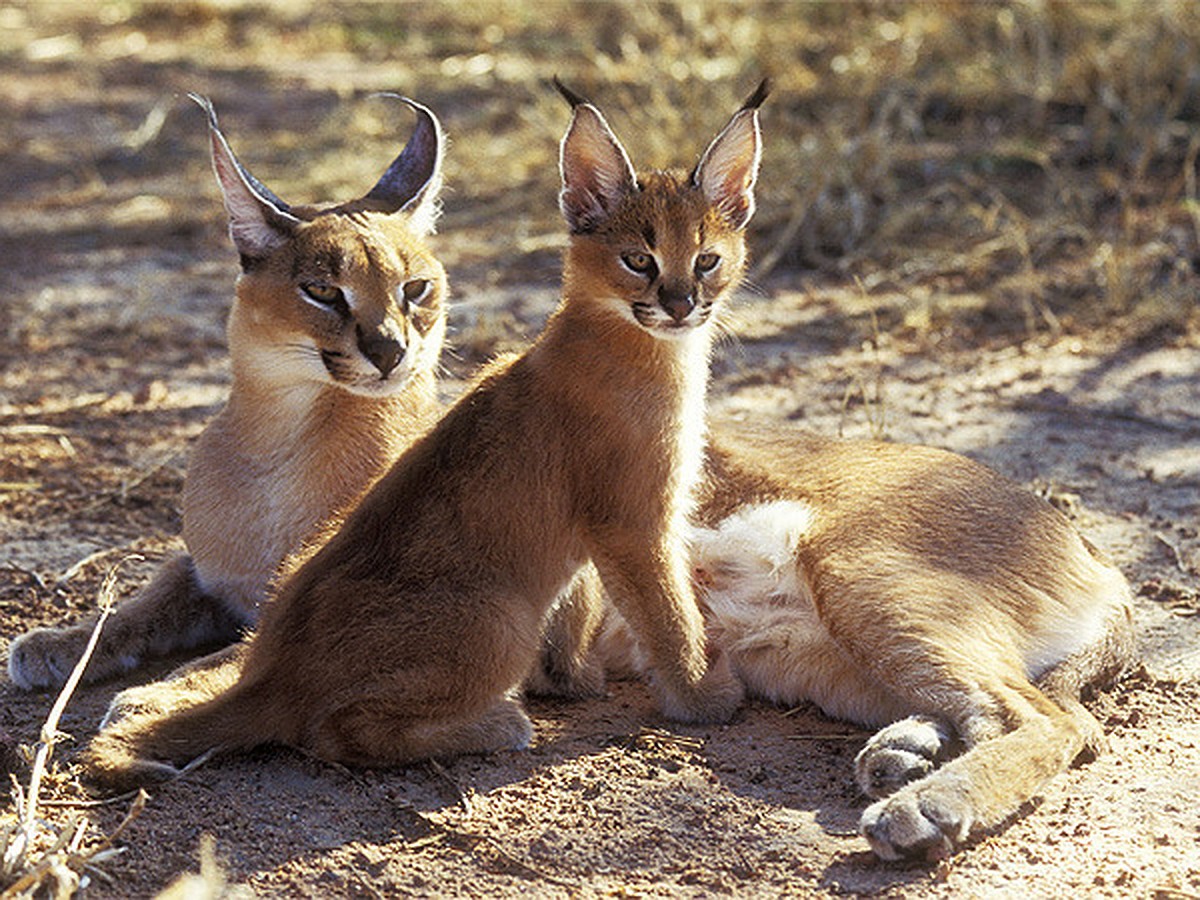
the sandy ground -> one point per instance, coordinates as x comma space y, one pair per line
112, 359
612, 799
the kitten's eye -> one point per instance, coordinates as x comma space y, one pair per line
325, 294
416, 290
641, 263
706, 262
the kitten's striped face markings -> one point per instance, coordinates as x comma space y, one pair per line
669, 261
345, 295
663, 248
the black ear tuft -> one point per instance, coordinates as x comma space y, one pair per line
569, 95
755, 100
596, 172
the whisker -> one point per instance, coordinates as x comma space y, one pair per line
752, 287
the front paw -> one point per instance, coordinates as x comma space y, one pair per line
43, 658
903, 752
920, 821
715, 698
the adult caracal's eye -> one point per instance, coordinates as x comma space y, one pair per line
325, 294
706, 262
641, 263
416, 290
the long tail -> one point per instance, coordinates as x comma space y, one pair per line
152, 732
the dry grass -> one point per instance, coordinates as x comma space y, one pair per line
40, 858
1040, 153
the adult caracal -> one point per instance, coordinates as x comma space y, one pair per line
334, 336
911, 588
407, 635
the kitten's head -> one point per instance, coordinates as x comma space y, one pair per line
659, 249
347, 295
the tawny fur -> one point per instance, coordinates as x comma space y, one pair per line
912, 588
408, 633
323, 399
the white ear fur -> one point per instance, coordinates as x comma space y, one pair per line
596, 172
728, 169
258, 220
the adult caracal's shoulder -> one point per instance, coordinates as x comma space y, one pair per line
334, 337
407, 637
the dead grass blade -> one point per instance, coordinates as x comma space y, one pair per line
57, 870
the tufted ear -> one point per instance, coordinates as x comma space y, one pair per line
728, 169
413, 180
258, 220
596, 172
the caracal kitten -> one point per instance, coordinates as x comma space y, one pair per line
334, 337
407, 635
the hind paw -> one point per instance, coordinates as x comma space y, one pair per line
146, 699
571, 679
900, 754
927, 821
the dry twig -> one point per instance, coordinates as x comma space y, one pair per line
62, 863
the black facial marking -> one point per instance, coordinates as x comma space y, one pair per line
334, 364
676, 301
644, 313
384, 351
423, 319
325, 263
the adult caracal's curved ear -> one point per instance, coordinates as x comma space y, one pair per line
413, 180
596, 172
258, 220
729, 167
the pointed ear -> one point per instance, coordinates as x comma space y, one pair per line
728, 169
412, 182
258, 220
596, 173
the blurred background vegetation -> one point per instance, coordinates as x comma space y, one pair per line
981, 170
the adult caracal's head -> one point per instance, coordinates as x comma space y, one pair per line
659, 249
347, 295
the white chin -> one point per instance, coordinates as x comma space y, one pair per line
376, 387
660, 326
671, 331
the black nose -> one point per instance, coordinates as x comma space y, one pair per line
383, 351
677, 303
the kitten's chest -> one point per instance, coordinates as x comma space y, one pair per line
690, 429
664, 445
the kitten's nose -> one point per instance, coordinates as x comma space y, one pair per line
383, 351
677, 303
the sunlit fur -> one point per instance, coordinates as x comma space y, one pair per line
912, 588
310, 421
407, 634
279, 337
948, 593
